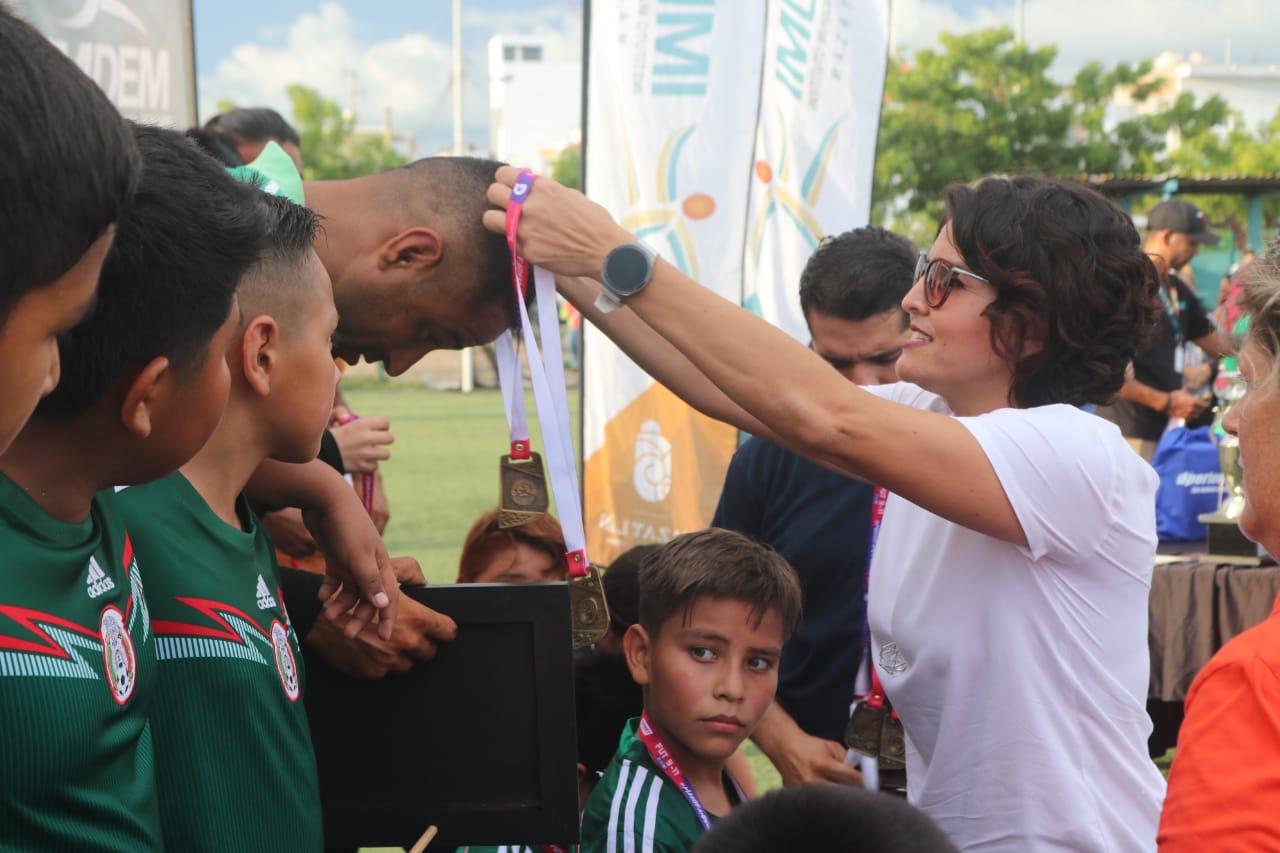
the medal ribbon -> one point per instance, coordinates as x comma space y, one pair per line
671, 769
512, 384
546, 369
509, 378
365, 480
876, 698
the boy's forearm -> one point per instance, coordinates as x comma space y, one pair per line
310, 485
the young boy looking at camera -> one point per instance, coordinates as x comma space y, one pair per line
715, 610
234, 763
143, 385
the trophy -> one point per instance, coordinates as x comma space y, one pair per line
1227, 544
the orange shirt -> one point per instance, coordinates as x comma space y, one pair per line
1224, 789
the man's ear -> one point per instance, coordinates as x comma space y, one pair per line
418, 249
140, 397
259, 353
636, 647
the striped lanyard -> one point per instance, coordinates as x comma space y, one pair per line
671, 769
879, 498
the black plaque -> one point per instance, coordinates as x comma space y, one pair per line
479, 742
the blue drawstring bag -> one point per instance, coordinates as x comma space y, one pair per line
1190, 478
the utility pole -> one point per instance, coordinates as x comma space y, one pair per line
1022, 21
467, 379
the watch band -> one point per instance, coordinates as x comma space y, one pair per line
606, 302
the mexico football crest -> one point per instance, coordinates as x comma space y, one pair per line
286, 665
118, 659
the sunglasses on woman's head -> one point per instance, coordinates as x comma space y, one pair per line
939, 277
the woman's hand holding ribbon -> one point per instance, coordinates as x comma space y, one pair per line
560, 229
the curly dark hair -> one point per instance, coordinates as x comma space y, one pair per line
1076, 295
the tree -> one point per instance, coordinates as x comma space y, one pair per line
332, 148
984, 104
567, 167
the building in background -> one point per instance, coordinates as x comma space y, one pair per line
535, 101
1252, 91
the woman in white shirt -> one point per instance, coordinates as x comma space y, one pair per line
1008, 597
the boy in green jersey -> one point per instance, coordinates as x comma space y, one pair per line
715, 610
234, 763
67, 174
143, 386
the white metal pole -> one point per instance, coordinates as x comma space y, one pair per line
467, 379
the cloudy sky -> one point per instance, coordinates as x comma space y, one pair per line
249, 50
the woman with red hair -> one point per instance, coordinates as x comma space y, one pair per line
527, 554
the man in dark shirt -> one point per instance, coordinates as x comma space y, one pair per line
851, 293
1155, 393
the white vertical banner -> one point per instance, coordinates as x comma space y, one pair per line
671, 111
730, 135
823, 83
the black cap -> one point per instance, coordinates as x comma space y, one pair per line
1184, 217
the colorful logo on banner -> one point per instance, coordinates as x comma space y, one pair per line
668, 217
659, 489
782, 194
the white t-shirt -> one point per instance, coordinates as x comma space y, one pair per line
1021, 674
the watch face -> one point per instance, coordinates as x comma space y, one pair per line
626, 269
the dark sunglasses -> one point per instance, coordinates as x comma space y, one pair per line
939, 277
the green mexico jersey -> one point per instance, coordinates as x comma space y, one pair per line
235, 768
77, 678
636, 809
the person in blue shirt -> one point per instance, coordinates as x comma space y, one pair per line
851, 292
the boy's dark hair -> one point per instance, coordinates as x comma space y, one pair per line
605, 698
70, 162
716, 563
216, 146
1075, 292
622, 588
858, 274
168, 282
270, 286
824, 817
252, 124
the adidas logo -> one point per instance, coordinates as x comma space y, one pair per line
266, 600
97, 583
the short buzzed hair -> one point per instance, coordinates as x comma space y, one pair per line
858, 274
452, 190
716, 563
271, 285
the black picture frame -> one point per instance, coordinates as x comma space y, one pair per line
480, 742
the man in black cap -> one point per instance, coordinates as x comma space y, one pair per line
1176, 231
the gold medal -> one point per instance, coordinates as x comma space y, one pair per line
524, 491
893, 744
587, 609
865, 729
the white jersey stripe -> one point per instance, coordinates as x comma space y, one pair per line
614, 806
651, 813
629, 824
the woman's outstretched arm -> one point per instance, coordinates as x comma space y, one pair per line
929, 459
